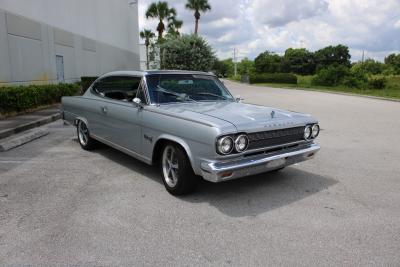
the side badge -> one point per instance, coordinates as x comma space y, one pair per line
272, 114
148, 138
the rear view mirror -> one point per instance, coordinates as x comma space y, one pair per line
238, 98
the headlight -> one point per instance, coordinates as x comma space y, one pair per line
241, 143
315, 130
225, 145
307, 132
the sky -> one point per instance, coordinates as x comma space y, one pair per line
254, 26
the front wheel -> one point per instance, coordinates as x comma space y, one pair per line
177, 173
84, 138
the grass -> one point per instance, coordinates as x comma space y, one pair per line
392, 89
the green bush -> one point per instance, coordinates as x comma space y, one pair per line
393, 82
273, 78
86, 81
378, 82
21, 98
188, 52
331, 75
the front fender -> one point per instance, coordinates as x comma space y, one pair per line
179, 141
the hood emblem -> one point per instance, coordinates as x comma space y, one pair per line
272, 114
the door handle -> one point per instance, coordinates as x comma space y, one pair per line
104, 109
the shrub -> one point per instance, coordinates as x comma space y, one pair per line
355, 79
236, 78
331, 75
86, 81
273, 78
21, 98
378, 82
188, 52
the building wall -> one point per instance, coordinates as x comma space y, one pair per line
92, 36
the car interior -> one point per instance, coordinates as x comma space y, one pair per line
123, 88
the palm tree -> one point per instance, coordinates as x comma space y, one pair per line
197, 6
147, 35
160, 11
173, 26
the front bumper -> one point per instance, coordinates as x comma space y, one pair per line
222, 171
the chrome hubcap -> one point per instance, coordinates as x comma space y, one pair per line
83, 133
170, 166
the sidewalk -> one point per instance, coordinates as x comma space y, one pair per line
20, 123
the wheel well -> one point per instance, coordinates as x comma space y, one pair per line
160, 145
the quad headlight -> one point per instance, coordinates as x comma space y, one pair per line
225, 145
315, 130
307, 132
241, 143
311, 131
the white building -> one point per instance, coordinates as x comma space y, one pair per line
45, 41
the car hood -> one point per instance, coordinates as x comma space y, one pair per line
245, 117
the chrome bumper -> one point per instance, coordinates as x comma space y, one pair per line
222, 171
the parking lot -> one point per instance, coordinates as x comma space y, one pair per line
61, 205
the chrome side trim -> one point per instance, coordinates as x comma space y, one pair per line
123, 149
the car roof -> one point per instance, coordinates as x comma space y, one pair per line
149, 72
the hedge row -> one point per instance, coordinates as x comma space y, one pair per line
273, 78
87, 81
21, 98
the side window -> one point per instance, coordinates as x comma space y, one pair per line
140, 93
122, 88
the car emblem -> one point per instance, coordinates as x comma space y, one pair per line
272, 114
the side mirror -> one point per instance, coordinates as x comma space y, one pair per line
238, 98
137, 102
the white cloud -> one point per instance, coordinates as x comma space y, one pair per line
278, 13
397, 24
253, 26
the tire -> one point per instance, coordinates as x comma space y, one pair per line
86, 142
176, 171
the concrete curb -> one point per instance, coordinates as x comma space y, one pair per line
322, 91
29, 125
18, 140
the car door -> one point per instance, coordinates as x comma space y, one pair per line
121, 117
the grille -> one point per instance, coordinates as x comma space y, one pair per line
275, 137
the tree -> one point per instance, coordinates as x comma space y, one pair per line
174, 26
268, 62
220, 68
160, 11
187, 52
299, 61
393, 63
197, 6
147, 35
332, 75
246, 66
333, 55
369, 66
223, 68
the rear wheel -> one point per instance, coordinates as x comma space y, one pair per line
177, 173
84, 138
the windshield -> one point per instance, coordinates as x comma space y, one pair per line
168, 88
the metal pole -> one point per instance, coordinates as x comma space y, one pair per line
234, 61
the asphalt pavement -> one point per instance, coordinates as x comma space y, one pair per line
61, 205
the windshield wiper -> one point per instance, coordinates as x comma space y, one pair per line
178, 96
211, 94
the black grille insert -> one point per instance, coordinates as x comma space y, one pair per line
275, 137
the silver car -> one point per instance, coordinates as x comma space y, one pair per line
190, 125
